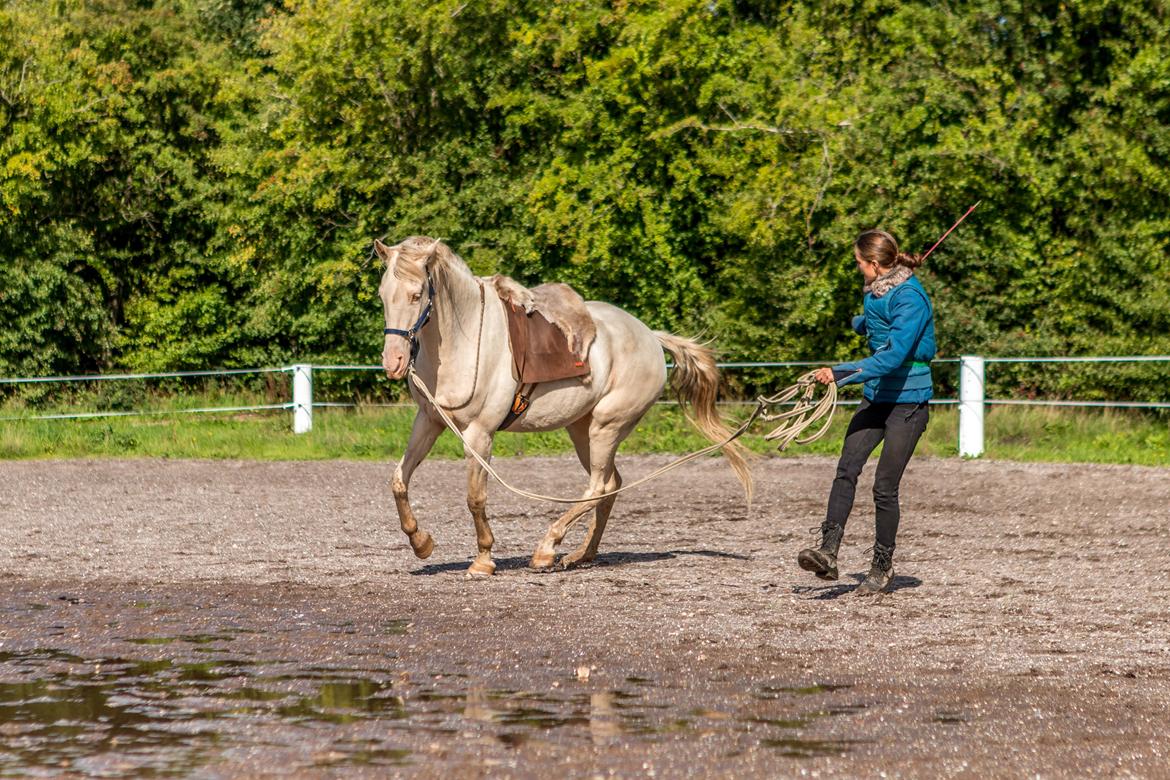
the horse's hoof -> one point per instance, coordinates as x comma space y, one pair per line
575, 562
542, 562
480, 568
422, 543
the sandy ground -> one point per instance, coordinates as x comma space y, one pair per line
222, 619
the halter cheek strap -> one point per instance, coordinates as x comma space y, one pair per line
411, 335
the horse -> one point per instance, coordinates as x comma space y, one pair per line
442, 322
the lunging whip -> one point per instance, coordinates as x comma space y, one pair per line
944, 235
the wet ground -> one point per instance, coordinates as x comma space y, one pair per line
216, 619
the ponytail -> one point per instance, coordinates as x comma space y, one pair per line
909, 260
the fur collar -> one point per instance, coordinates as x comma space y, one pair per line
888, 281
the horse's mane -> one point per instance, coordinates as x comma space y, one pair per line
422, 252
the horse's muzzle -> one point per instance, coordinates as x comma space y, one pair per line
395, 363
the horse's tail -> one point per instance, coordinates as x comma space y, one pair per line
695, 381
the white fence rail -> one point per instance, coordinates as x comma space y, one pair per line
972, 400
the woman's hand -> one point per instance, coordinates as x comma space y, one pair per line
824, 376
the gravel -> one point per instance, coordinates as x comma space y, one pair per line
1026, 632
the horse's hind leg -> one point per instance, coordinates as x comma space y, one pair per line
546, 551
483, 564
602, 446
545, 554
588, 549
422, 437
598, 447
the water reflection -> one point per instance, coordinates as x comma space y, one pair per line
809, 748
195, 639
115, 717
63, 713
604, 723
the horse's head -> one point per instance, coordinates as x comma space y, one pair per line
406, 292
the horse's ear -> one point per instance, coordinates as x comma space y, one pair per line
382, 251
438, 250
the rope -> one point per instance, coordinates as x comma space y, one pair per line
803, 415
797, 420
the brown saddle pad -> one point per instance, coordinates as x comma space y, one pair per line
540, 349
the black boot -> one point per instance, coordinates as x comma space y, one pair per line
822, 561
881, 571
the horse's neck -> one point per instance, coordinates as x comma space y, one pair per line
452, 345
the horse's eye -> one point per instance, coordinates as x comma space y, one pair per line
416, 298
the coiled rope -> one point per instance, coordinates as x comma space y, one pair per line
806, 412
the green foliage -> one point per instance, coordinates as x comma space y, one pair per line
191, 183
109, 111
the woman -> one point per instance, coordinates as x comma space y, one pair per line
899, 324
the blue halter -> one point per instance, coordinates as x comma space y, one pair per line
412, 334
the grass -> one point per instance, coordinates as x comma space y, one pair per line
380, 433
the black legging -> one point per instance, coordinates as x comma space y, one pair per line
900, 425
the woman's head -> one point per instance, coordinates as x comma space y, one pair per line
876, 253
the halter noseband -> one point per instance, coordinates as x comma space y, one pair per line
411, 335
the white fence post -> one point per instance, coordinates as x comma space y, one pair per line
970, 406
302, 398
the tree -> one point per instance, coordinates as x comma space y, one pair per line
109, 111
198, 182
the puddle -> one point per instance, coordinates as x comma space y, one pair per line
795, 746
61, 713
512, 738
810, 748
782, 723
126, 717
194, 639
396, 627
783, 692
363, 754
345, 701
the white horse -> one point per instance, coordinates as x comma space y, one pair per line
438, 310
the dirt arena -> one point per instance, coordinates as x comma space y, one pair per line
224, 619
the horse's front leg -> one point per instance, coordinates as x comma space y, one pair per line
422, 438
481, 442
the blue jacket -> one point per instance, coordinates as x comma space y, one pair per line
900, 329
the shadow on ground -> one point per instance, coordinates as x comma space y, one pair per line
824, 592
517, 562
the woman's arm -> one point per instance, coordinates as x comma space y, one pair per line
827, 375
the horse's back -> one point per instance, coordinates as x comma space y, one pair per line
624, 329
632, 362
626, 376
